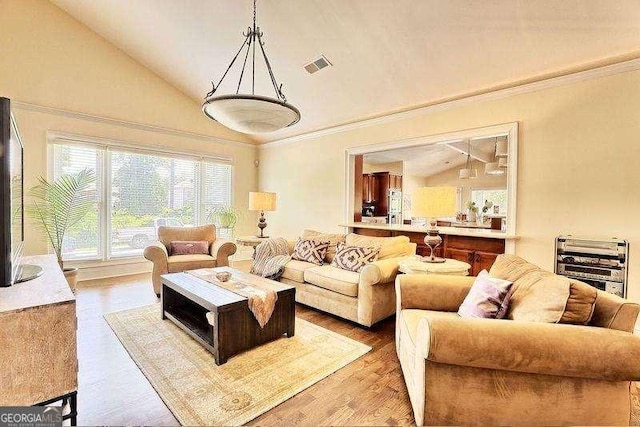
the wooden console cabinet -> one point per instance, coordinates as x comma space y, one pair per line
38, 361
479, 252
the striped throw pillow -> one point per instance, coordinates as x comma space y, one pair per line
353, 258
310, 250
488, 298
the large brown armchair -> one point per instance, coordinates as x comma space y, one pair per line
462, 371
163, 262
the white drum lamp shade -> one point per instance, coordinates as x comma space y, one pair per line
493, 169
502, 148
260, 201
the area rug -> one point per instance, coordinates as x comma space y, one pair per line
200, 393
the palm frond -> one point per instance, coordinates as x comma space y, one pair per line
58, 205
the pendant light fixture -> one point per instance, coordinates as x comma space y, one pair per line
467, 172
502, 148
251, 113
493, 168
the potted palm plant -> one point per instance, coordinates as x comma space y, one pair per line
59, 205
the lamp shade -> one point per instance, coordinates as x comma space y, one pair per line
259, 201
493, 169
434, 202
502, 148
251, 113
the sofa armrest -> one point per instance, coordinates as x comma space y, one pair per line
221, 250
531, 347
382, 271
432, 291
156, 252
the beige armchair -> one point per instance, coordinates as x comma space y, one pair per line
163, 262
462, 371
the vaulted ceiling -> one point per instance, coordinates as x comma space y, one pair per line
387, 55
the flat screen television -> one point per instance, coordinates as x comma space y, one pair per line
11, 196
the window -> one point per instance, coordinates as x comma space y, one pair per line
498, 196
135, 193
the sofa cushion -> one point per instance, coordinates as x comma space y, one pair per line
488, 298
177, 263
333, 240
411, 318
581, 303
334, 279
541, 296
354, 258
189, 247
170, 234
294, 270
310, 250
390, 247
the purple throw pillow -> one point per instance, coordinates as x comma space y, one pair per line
488, 298
189, 247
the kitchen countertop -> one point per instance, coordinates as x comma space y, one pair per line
453, 231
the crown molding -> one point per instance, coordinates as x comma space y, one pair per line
490, 94
123, 123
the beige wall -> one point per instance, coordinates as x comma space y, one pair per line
50, 59
483, 181
393, 167
577, 167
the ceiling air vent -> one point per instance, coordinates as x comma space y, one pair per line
317, 65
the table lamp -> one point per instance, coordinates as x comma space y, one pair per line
432, 203
263, 202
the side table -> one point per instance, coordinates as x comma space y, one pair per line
252, 241
452, 267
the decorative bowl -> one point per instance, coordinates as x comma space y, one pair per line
223, 276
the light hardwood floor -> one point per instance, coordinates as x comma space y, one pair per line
113, 391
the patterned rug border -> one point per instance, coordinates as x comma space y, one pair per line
112, 317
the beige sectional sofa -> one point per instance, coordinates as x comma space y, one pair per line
365, 297
462, 371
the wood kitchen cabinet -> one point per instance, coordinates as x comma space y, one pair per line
386, 181
478, 252
370, 188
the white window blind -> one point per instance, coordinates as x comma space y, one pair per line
83, 240
142, 190
216, 182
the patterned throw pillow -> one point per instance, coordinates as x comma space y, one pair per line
310, 250
189, 247
353, 258
488, 298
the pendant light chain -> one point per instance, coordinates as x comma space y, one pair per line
253, 77
249, 112
249, 43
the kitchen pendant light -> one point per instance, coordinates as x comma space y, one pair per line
493, 168
467, 172
251, 113
502, 148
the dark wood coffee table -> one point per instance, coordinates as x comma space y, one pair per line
187, 299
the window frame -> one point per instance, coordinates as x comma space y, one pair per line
107, 145
472, 189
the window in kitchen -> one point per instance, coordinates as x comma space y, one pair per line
136, 192
498, 196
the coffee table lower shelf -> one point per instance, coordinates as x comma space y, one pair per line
186, 300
